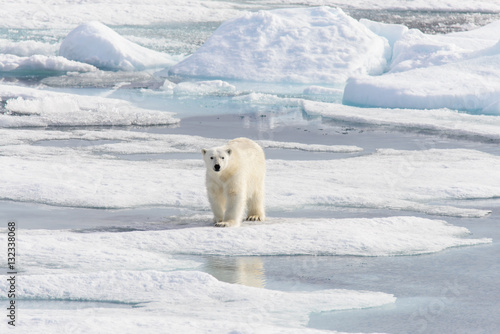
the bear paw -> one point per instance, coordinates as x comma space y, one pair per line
228, 223
254, 218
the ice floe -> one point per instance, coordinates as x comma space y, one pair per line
294, 45
180, 295
28, 107
445, 121
69, 251
98, 45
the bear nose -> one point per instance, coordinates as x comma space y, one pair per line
217, 167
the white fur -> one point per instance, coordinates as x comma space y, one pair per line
235, 181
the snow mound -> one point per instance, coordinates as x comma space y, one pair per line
96, 44
41, 63
38, 108
176, 294
309, 45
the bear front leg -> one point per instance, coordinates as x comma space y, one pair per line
256, 211
255, 204
235, 208
217, 202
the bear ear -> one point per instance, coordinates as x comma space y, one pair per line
203, 151
229, 151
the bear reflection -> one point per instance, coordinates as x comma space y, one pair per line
241, 270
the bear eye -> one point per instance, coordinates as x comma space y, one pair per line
222, 158
211, 158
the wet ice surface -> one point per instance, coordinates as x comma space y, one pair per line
105, 200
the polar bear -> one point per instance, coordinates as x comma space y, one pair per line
235, 181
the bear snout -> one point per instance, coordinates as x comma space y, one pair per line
216, 167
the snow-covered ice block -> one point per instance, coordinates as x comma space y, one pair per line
471, 85
456, 71
98, 45
305, 45
38, 108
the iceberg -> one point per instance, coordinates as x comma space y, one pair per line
311, 45
98, 45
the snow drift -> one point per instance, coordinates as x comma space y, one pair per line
295, 45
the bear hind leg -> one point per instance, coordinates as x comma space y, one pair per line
256, 210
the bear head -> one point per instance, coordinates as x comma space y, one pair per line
217, 158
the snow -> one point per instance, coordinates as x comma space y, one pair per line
294, 45
39, 108
96, 44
